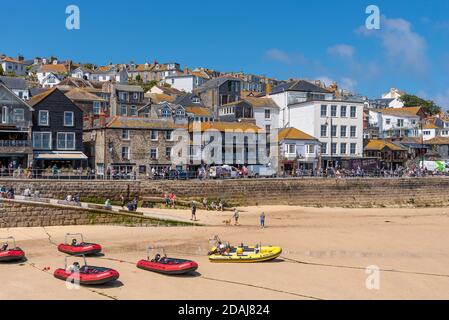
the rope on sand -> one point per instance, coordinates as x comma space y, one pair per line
364, 268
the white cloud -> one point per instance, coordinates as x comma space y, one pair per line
403, 47
284, 57
348, 84
342, 50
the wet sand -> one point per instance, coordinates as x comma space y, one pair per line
326, 252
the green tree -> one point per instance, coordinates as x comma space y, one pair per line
147, 86
1, 70
138, 78
428, 106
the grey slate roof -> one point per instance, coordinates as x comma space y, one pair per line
215, 82
186, 100
300, 85
14, 83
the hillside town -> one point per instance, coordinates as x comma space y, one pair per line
163, 120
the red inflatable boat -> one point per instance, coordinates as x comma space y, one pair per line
79, 248
7, 253
170, 266
87, 275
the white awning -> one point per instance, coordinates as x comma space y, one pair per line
60, 155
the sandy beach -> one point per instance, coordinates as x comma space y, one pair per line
325, 255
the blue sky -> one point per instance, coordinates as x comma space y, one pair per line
283, 39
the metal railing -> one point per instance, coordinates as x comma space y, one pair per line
15, 143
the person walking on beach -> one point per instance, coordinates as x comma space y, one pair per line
205, 204
262, 220
236, 216
193, 211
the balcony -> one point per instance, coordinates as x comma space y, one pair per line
15, 143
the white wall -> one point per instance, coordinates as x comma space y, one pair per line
261, 122
307, 117
181, 83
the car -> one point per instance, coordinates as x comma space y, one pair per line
258, 171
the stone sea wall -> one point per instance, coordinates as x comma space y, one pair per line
420, 192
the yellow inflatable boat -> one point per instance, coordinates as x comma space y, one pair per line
244, 254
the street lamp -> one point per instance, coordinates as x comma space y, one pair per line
332, 154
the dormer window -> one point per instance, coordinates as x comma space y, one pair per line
166, 113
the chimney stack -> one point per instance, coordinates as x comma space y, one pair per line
268, 89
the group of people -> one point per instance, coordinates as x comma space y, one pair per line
169, 199
7, 192
213, 205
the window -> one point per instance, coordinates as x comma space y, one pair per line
96, 107
267, 114
125, 153
123, 111
291, 148
136, 95
323, 130
66, 140
166, 112
19, 115
154, 135
353, 148
168, 135
353, 132
122, 96
324, 147
68, 119
413, 122
323, 110
343, 111
4, 114
168, 152
427, 132
42, 140
333, 148
400, 122
125, 134
310, 148
133, 111
43, 118
334, 131
153, 153
353, 112
333, 111
342, 148
180, 113
388, 121
343, 131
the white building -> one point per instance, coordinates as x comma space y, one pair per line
110, 73
51, 80
396, 122
82, 73
13, 66
186, 82
338, 124
393, 94
297, 150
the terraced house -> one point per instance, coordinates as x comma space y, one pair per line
129, 145
15, 130
57, 131
125, 100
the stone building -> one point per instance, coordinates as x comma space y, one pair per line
129, 146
